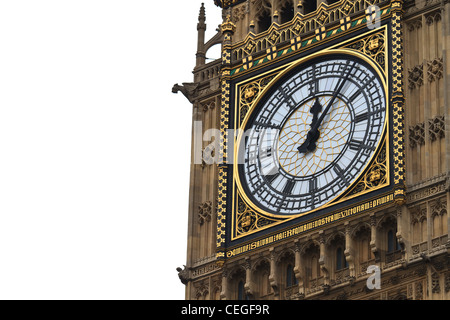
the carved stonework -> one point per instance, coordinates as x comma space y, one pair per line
204, 212
239, 13
414, 25
418, 215
201, 290
447, 282
417, 135
209, 105
433, 17
435, 286
183, 275
435, 69
415, 77
439, 207
189, 90
436, 128
419, 291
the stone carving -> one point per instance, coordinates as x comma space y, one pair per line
415, 77
204, 212
435, 286
436, 128
435, 69
417, 135
189, 90
183, 274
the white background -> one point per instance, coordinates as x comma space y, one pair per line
94, 147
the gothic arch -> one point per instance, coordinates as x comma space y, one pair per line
308, 245
358, 228
285, 254
387, 219
263, 15
258, 263
338, 235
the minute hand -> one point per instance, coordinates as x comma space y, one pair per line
313, 134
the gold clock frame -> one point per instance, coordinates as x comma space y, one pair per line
238, 191
393, 85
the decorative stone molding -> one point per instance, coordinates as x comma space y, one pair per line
209, 105
435, 285
415, 77
435, 69
436, 128
414, 24
204, 212
417, 135
433, 17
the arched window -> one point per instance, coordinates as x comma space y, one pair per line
393, 244
314, 267
341, 262
291, 280
241, 290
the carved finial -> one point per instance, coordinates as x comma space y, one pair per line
275, 16
201, 18
252, 26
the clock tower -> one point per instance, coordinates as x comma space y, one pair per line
320, 154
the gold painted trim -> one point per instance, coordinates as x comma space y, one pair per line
237, 186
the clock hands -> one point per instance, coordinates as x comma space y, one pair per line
314, 133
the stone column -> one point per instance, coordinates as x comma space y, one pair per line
349, 252
224, 294
298, 268
273, 271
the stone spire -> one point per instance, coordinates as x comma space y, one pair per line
201, 28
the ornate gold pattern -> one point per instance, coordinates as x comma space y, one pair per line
325, 15
398, 99
248, 94
376, 176
228, 29
373, 46
247, 220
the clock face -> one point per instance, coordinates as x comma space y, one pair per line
312, 135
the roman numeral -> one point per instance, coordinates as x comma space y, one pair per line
312, 185
355, 95
267, 125
314, 84
290, 184
289, 100
356, 145
271, 178
314, 87
340, 173
362, 117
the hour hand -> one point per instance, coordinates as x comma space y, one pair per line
313, 134
310, 142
